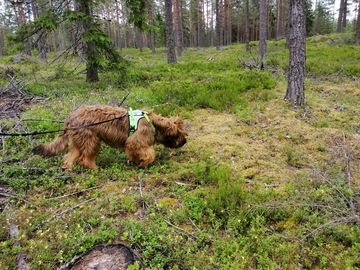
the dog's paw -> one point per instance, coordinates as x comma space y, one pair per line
66, 168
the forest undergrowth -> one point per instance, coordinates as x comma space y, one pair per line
258, 185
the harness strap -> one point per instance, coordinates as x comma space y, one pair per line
135, 117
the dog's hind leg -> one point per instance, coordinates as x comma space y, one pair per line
89, 150
70, 158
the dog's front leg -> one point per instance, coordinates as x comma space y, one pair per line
147, 156
140, 153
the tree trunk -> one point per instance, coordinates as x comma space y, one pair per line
218, 25
357, 35
21, 20
78, 46
117, 25
92, 64
341, 16
262, 31
296, 76
170, 43
41, 38
139, 40
200, 23
280, 19
227, 23
151, 34
247, 25
344, 15
179, 26
2, 41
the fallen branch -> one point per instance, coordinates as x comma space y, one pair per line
61, 213
341, 220
180, 229
13, 196
74, 193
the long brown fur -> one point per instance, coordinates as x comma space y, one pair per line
84, 143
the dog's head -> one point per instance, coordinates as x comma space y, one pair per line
169, 131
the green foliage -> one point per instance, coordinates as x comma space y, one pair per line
257, 186
137, 12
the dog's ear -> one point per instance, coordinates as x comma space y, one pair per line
169, 126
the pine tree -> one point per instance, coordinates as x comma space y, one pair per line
262, 31
357, 34
296, 75
218, 25
170, 43
247, 26
179, 26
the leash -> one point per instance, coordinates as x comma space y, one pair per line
60, 130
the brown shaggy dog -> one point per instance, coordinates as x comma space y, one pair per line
84, 143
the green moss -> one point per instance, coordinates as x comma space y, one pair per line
245, 192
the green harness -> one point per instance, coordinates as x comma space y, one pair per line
134, 118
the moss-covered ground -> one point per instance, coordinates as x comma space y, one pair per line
259, 185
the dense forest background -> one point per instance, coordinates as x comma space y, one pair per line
139, 24
258, 185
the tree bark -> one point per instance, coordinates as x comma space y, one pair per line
247, 25
296, 75
179, 27
2, 41
344, 14
151, 34
341, 16
170, 43
200, 23
21, 20
280, 19
218, 25
41, 38
227, 24
90, 51
357, 34
262, 31
139, 39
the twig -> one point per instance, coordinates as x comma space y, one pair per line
348, 174
2, 139
184, 184
14, 234
59, 214
13, 196
341, 220
145, 204
70, 263
74, 193
193, 223
43, 119
331, 184
271, 185
180, 229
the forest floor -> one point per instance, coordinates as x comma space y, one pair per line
259, 185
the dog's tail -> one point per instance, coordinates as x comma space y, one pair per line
53, 148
